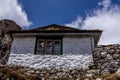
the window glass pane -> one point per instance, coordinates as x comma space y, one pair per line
40, 51
57, 41
48, 49
40, 46
57, 47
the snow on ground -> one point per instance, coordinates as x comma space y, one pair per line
51, 61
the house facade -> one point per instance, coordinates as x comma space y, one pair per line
54, 40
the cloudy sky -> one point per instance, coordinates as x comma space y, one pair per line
82, 14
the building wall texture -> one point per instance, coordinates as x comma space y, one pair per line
23, 45
77, 45
26, 45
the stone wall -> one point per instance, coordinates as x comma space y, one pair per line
13, 72
6, 39
5, 45
23, 45
107, 57
77, 45
65, 62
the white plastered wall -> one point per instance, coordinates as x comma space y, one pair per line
74, 45
23, 45
78, 45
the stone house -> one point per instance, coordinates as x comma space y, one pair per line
54, 40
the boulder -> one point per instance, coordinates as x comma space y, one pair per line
6, 39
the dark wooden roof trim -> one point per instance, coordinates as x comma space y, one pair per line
60, 31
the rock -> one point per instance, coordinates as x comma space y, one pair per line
37, 72
109, 56
98, 79
116, 56
74, 72
9, 25
103, 54
111, 77
6, 39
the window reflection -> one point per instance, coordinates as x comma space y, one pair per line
48, 49
57, 46
40, 47
49, 46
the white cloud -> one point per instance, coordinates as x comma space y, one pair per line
76, 23
107, 19
11, 9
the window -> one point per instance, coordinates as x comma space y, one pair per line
57, 47
40, 46
48, 46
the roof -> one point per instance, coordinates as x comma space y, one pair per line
58, 30
54, 27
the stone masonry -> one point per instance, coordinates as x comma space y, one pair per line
107, 58
6, 39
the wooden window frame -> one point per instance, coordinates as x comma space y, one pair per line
46, 46
53, 42
39, 44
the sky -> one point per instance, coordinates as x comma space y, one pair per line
82, 14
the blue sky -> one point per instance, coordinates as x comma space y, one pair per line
45, 12
82, 14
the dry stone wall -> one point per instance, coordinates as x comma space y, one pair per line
13, 72
107, 58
